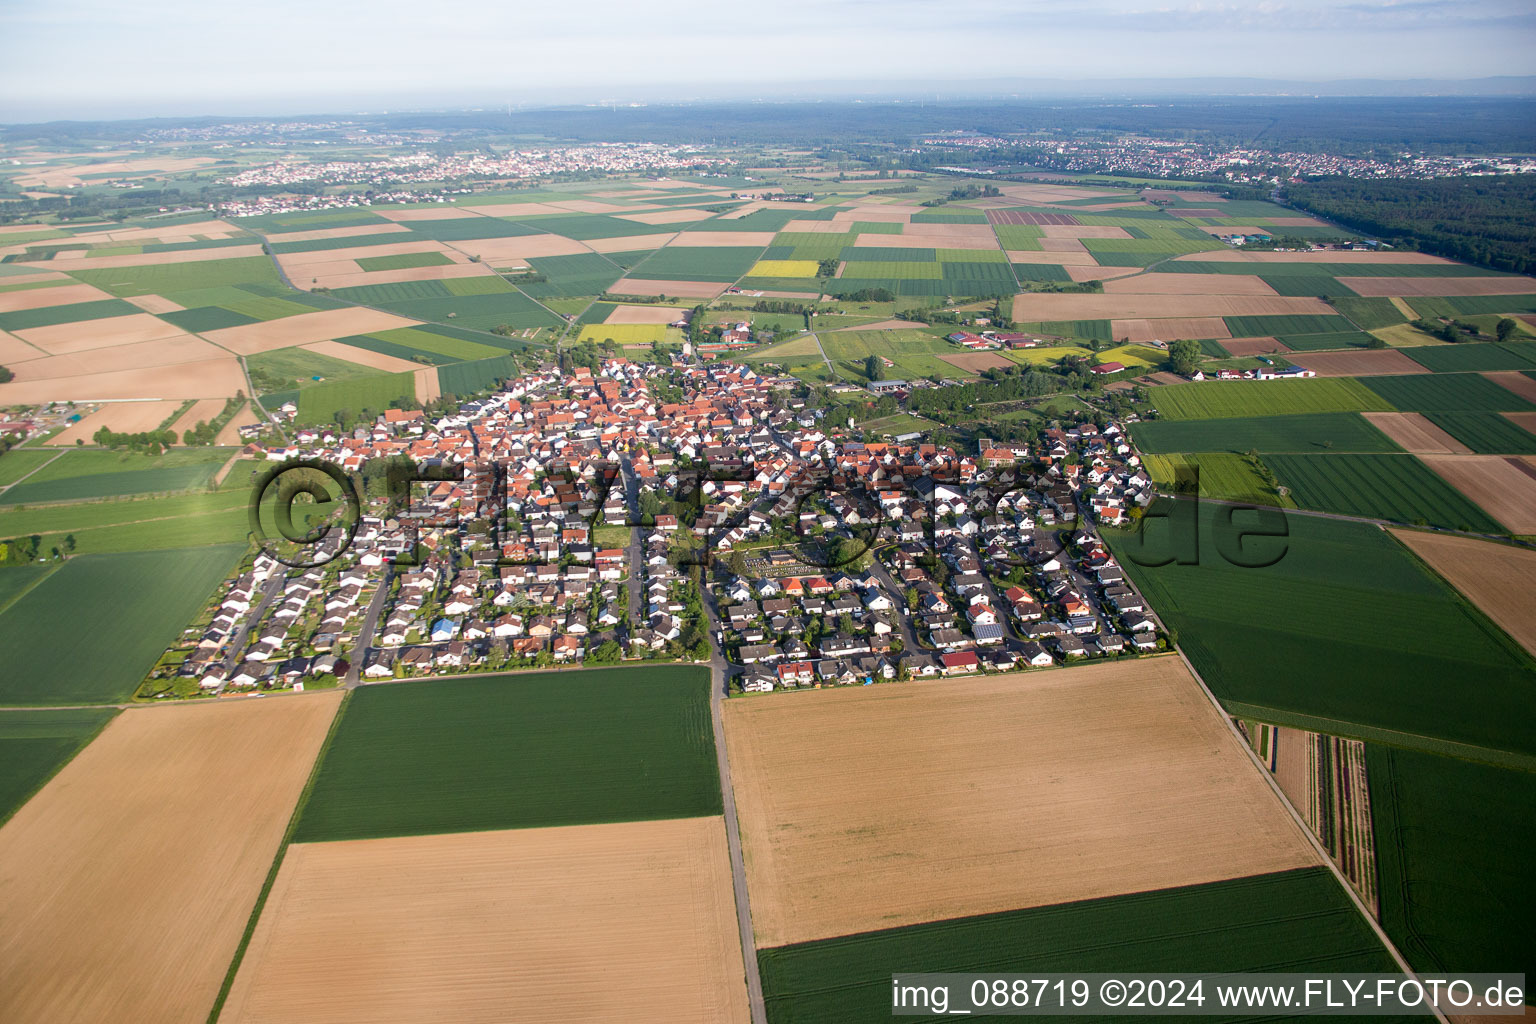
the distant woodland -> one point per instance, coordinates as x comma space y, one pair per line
1487, 221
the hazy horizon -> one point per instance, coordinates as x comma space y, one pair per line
171, 58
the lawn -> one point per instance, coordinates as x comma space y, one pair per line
1347, 632
1232, 399
97, 473
299, 368
34, 745
517, 752
89, 632
1277, 922
1399, 488
1316, 432
1445, 392
628, 334
1453, 852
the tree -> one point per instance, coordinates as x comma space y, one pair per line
874, 369
1504, 328
1375, 342
69, 543
1184, 357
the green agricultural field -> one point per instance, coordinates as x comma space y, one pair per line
1327, 431
895, 254
811, 245
1272, 922
1041, 272
1297, 323
394, 291
468, 378
89, 632
1224, 476
518, 751
1486, 433
1324, 342
165, 278
1446, 392
321, 402
34, 745
1233, 399
461, 229
584, 226
1367, 314
1160, 246
688, 263
1477, 357
1398, 488
628, 334
49, 316
893, 270
479, 312
282, 248
1019, 237
403, 261
96, 473
277, 223
298, 367
411, 342
1473, 305
139, 524
18, 462
914, 352
1453, 853
1347, 632
580, 274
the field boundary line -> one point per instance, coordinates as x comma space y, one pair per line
277, 861
1386, 737
29, 588
86, 741
1300, 822
38, 469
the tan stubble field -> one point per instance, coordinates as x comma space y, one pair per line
868, 808
591, 923
129, 879
1498, 578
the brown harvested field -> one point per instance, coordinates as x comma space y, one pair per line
1067, 259
108, 332
153, 303
351, 275
975, 362
520, 247
603, 923
233, 252
427, 384
1512, 380
56, 177
1325, 256
944, 799
1505, 488
230, 435
1090, 273
1417, 286
704, 239
1028, 217
1061, 245
1088, 306
362, 357
1169, 329
1292, 753
41, 277
626, 313
13, 350
248, 339
1524, 420
1084, 231
1358, 362
929, 240
1403, 308
125, 417
1189, 284
634, 243
61, 295
1253, 346
682, 289
826, 227
220, 377
162, 352
1416, 433
202, 411
665, 216
299, 262
1498, 578
351, 232
129, 887
590, 206
435, 212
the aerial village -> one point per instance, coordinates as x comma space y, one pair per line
574, 519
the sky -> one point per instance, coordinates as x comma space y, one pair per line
95, 59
